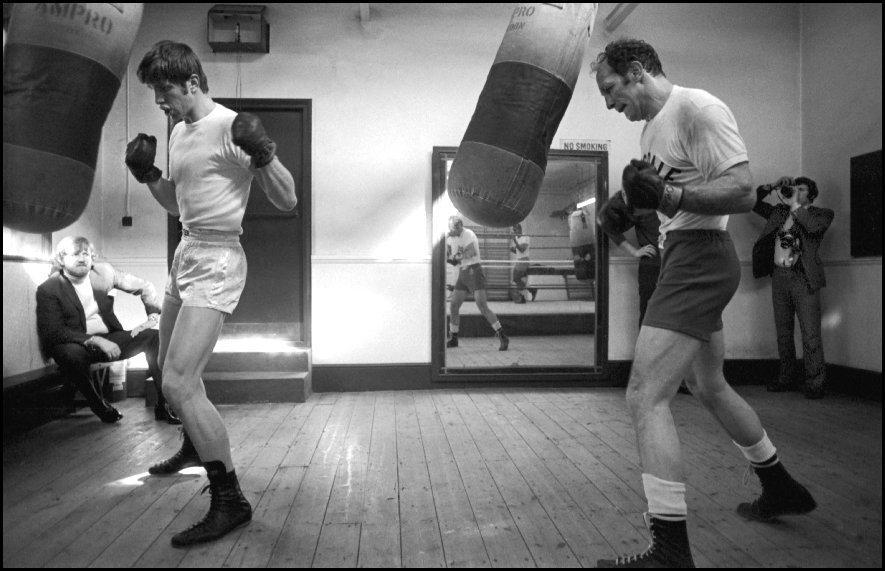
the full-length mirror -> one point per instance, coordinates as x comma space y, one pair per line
529, 301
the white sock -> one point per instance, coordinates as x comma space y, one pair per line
665, 498
761, 454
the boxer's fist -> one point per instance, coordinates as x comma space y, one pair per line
644, 188
249, 134
140, 154
612, 216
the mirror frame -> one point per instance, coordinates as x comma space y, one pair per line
439, 372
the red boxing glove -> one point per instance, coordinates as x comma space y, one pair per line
249, 134
140, 154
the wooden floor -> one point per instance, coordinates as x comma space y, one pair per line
447, 478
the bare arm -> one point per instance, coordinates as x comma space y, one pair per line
277, 183
730, 193
164, 192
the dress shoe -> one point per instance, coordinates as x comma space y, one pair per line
109, 415
778, 387
165, 412
814, 390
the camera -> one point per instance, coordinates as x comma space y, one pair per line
786, 191
788, 239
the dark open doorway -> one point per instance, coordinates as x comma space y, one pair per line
276, 300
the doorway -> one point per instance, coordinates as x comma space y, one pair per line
276, 300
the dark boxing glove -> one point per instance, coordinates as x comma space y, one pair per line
249, 134
612, 216
644, 188
140, 154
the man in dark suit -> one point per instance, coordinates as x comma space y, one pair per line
787, 250
77, 326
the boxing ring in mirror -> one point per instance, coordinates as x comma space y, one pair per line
558, 323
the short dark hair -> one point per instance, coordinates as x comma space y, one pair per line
812, 187
619, 54
171, 62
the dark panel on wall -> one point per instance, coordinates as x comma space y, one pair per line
866, 204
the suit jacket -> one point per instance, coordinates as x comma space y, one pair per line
60, 315
810, 223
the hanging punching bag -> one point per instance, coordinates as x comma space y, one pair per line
61, 72
500, 164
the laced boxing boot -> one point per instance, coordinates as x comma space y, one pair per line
669, 548
162, 411
228, 508
186, 457
781, 495
453, 342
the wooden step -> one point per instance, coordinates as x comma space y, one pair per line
234, 387
251, 361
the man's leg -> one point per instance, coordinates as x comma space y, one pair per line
482, 302
781, 494
186, 456
458, 298
784, 323
659, 363
190, 346
148, 342
710, 387
74, 361
808, 311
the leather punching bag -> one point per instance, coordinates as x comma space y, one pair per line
498, 170
62, 67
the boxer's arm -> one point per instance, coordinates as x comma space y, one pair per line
164, 192
277, 183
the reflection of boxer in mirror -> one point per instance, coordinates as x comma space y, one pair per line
462, 250
519, 256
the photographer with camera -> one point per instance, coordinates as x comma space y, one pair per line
787, 250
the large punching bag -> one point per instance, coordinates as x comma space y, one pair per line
498, 170
62, 68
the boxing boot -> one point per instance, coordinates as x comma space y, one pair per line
186, 457
781, 495
504, 341
162, 411
669, 548
453, 342
228, 508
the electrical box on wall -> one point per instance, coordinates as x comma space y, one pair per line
238, 28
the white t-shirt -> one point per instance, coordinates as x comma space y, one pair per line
693, 139
517, 241
211, 173
94, 322
467, 244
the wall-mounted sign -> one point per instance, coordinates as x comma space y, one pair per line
585, 145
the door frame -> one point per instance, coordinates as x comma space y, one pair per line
303, 210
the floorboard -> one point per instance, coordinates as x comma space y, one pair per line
445, 478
